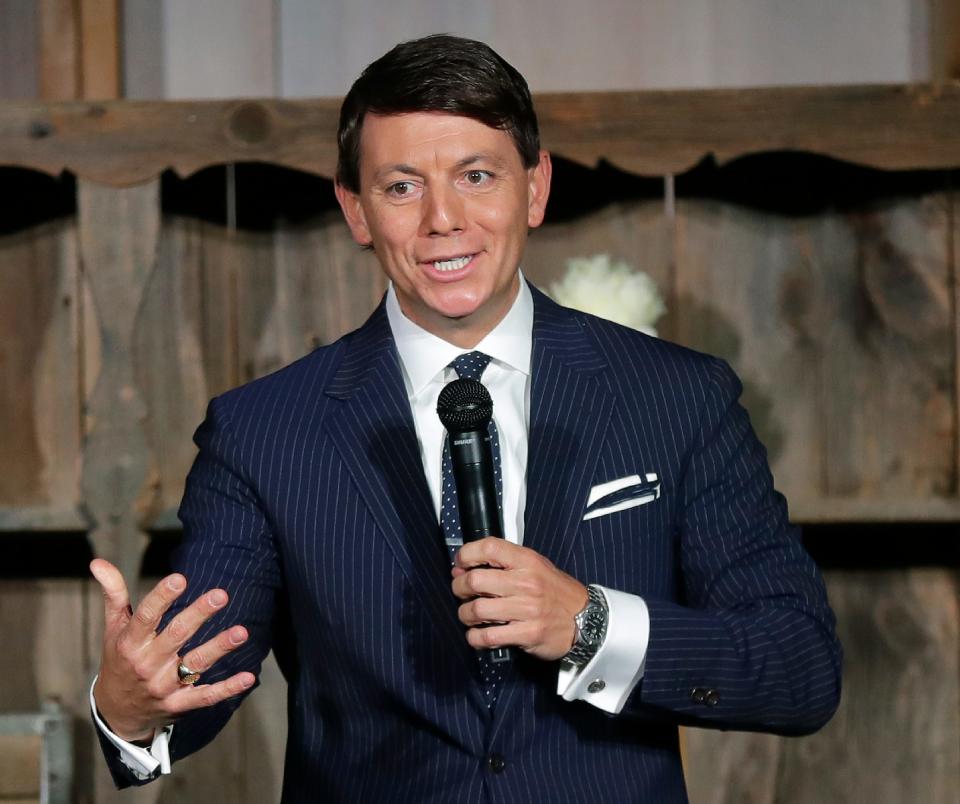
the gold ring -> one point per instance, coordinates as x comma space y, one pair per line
187, 676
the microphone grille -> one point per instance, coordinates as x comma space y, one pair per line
464, 405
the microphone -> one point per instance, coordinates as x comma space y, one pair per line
465, 409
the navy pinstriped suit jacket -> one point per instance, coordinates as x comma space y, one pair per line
308, 503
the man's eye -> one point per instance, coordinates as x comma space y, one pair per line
478, 176
400, 189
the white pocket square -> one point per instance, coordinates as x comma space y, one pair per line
624, 492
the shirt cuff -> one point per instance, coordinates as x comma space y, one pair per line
607, 680
142, 762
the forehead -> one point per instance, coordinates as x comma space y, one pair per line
419, 137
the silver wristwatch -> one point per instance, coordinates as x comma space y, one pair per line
591, 625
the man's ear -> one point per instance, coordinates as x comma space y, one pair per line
538, 191
353, 213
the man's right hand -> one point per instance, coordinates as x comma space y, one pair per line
138, 689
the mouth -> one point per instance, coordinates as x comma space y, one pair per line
452, 264
449, 269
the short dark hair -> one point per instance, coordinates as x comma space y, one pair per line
438, 73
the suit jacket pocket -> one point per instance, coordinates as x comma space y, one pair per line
622, 493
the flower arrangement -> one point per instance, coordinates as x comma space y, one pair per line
611, 290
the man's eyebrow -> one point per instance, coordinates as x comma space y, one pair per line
386, 170
480, 156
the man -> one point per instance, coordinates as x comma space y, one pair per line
648, 577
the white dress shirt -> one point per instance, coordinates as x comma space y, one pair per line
424, 359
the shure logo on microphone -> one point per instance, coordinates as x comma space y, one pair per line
459, 442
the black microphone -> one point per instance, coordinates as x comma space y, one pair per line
465, 408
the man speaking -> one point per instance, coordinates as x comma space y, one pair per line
647, 577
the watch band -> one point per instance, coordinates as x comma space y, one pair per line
591, 625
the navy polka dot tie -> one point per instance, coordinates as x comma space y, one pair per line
471, 366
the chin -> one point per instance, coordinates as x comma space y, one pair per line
457, 307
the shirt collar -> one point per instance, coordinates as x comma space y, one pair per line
424, 355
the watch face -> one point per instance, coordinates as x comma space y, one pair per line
591, 628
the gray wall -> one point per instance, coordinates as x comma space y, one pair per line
300, 48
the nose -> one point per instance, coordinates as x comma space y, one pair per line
443, 212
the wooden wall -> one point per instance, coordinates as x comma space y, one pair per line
118, 324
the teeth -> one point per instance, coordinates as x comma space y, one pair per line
451, 265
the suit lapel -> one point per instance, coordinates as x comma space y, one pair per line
570, 408
374, 432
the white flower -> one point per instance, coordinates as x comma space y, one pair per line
610, 290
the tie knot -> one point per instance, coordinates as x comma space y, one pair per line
471, 365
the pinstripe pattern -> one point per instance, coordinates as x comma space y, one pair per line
308, 503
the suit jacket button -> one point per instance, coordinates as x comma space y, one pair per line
596, 686
496, 763
698, 695
712, 698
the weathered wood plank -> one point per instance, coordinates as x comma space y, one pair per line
79, 49
59, 50
888, 361
20, 766
193, 249
39, 386
732, 767
653, 133
100, 49
224, 307
44, 650
118, 239
28, 301
42, 518
807, 508
184, 347
667, 132
310, 285
944, 39
134, 141
953, 267
840, 327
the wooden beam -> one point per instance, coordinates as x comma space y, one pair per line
79, 49
59, 50
20, 770
100, 49
896, 127
118, 233
944, 40
893, 127
953, 266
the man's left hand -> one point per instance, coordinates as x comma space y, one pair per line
531, 603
